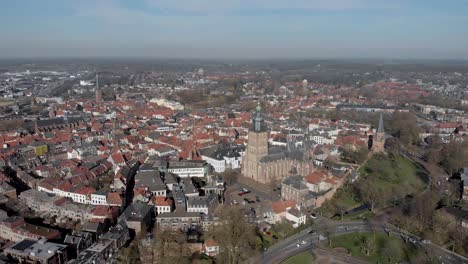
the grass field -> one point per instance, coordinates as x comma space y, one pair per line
353, 244
394, 172
302, 258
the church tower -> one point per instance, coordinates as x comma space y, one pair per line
378, 141
257, 146
98, 91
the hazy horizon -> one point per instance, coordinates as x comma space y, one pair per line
235, 29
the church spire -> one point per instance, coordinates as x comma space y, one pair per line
258, 123
380, 129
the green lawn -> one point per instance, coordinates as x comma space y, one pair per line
302, 258
395, 173
357, 216
353, 243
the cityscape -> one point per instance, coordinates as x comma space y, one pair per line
115, 152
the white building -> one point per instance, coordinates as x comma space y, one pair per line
190, 168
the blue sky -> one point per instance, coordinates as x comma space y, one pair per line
431, 29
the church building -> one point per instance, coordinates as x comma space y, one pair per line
378, 141
265, 164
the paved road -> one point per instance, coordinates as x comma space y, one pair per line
293, 245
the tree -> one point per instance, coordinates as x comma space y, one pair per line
392, 251
236, 237
370, 193
230, 176
404, 126
455, 156
367, 244
340, 208
327, 230
357, 156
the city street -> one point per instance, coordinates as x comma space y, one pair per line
287, 248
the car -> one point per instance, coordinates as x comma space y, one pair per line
312, 232
298, 245
425, 241
303, 242
247, 200
412, 240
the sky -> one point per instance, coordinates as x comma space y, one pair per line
242, 29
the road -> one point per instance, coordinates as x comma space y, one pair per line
293, 245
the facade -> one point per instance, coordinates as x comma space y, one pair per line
264, 164
188, 168
178, 220
294, 188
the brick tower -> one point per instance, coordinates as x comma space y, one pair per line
257, 146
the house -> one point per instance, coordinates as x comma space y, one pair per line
210, 248
162, 204
7, 190
296, 216
294, 188
189, 188
100, 252
119, 235
197, 205
202, 204
151, 182
99, 197
78, 241
14, 228
178, 220
31, 251
136, 216
280, 209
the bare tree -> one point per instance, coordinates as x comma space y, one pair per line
236, 237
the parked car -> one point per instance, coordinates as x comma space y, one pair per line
425, 241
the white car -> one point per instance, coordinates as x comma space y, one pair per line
303, 242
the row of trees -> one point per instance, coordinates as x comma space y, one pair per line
237, 240
421, 216
451, 156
